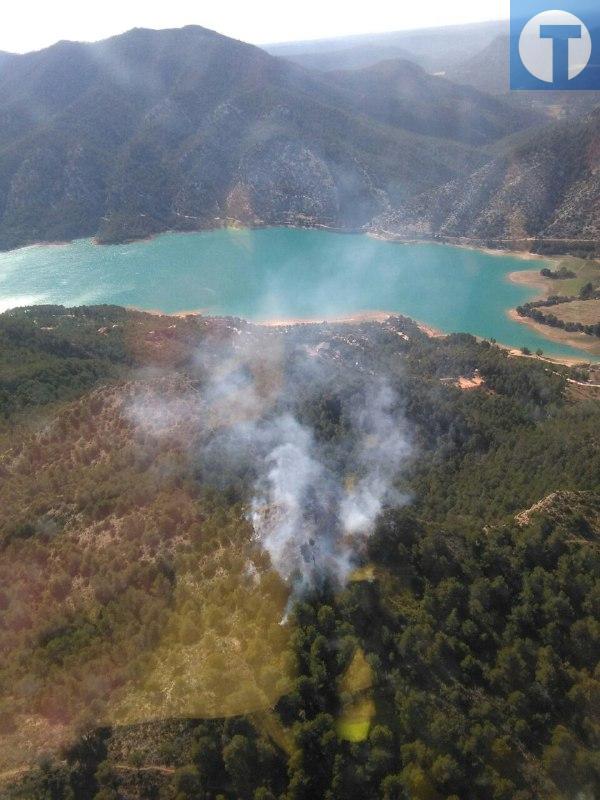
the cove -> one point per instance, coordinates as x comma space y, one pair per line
281, 273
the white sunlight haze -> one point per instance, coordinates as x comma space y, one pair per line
34, 24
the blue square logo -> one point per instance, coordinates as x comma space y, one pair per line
555, 48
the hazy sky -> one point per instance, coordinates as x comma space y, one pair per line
33, 24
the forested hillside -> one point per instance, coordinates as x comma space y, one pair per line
187, 129
157, 646
403, 95
542, 194
488, 71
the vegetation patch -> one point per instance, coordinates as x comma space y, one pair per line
152, 649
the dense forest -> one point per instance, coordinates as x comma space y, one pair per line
153, 648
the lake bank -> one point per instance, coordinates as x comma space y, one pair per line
532, 279
349, 319
581, 341
505, 247
231, 224
432, 333
544, 288
377, 316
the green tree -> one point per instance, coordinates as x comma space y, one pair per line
187, 783
240, 759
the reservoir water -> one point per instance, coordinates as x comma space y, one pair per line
281, 273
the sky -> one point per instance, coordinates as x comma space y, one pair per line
33, 24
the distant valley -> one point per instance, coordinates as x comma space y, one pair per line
435, 49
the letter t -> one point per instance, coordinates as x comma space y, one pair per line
560, 35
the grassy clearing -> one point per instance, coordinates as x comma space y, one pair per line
586, 272
355, 722
585, 311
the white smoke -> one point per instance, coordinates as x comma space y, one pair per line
313, 499
282, 498
311, 511
383, 449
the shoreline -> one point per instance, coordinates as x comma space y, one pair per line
529, 278
382, 316
432, 333
534, 280
381, 235
524, 255
156, 312
345, 319
288, 322
558, 335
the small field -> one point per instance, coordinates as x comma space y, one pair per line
585, 311
586, 272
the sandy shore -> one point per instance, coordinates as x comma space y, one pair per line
286, 322
363, 316
156, 312
36, 245
429, 330
434, 333
580, 341
367, 316
532, 279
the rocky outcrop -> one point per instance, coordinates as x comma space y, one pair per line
543, 195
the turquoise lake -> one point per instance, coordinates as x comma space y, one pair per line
281, 273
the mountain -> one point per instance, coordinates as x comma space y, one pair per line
401, 94
433, 48
488, 71
184, 129
543, 193
6, 57
348, 58
187, 130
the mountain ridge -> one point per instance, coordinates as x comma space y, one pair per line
433, 48
401, 93
489, 72
520, 198
185, 129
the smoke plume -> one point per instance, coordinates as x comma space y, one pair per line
317, 451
